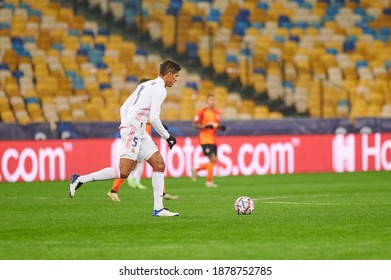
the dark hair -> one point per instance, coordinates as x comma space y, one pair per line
168, 66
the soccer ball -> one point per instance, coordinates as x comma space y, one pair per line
244, 205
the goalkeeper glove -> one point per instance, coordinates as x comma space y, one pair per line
171, 141
222, 127
209, 126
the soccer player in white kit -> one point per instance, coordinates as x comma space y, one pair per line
136, 145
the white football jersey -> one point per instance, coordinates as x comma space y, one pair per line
143, 104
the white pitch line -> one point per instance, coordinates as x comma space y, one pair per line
302, 203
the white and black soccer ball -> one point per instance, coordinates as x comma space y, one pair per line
244, 205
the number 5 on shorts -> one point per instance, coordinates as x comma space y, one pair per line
134, 143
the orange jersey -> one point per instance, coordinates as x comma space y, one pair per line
148, 128
206, 117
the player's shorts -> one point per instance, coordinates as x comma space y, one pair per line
209, 149
136, 145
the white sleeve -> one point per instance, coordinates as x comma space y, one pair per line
154, 116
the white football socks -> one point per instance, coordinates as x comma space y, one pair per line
157, 185
104, 174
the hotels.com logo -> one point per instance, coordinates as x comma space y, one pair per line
28, 164
373, 150
246, 159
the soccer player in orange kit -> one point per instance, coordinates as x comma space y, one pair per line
207, 121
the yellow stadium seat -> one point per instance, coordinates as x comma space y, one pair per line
276, 115
261, 112
7, 116
92, 112
22, 117
107, 115
374, 111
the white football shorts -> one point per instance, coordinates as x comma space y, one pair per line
136, 144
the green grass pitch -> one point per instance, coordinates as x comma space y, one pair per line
296, 217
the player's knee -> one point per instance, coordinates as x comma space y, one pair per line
213, 159
124, 174
159, 166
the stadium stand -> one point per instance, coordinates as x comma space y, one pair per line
325, 58
58, 66
314, 56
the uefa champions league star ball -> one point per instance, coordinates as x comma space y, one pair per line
244, 205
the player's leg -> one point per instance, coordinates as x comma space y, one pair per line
209, 177
158, 166
113, 192
135, 178
206, 151
195, 170
168, 196
126, 165
131, 181
104, 174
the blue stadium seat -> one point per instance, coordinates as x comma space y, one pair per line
332, 51
294, 38
214, 15
387, 11
100, 47
279, 39
57, 46
174, 7
74, 32
272, 58
240, 28
131, 79
263, 6
142, 52
243, 15
34, 12
231, 58
192, 85
288, 84
4, 66
103, 31
4, 25
192, 51
104, 86
301, 24
29, 100
101, 65
71, 74
360, 11
88, 32
197, 19
283, 21
82, 52
361, 63
387, 64
349, 46
24, 53
77, 83
261, 71
17, 74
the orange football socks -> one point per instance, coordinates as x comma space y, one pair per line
117, 184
